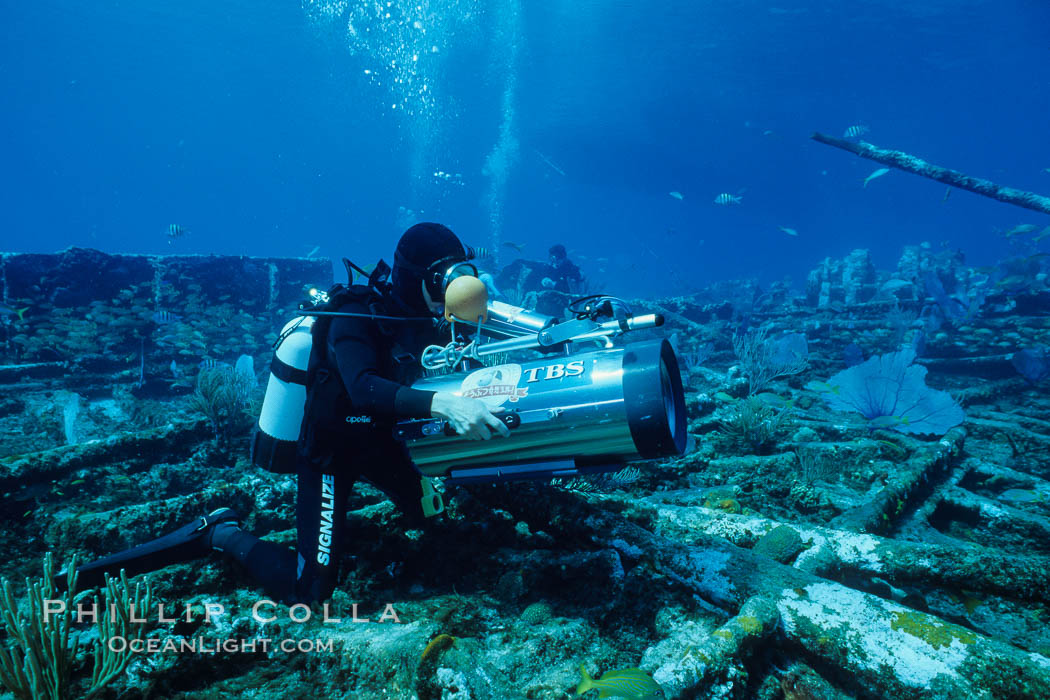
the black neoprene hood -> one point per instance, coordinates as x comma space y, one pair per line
419, 248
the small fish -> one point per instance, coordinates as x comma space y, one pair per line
438, 644
947, 194
878, 173
855, 131
788, 231
7, 311
481, 252
208, 363
767, 132
892, 445
823, 387
630, 683
76, 482
175, 371
676, 194
313, 252
887, 422
1021, 496
1013, 281
894, 285
1041, 235
1020, 230
722, 396
516, 246
726, 198
164, 317
176, 231
771, 399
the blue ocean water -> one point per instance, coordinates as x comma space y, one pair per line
273, 128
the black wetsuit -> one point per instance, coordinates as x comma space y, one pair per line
357, 391
564, 272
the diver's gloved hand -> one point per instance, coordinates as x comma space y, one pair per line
547, 283
471, 418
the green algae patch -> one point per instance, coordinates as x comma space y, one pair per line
935, 634
749, 623
726, 505
723, 634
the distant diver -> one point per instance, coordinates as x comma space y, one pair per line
563, 274
357, 387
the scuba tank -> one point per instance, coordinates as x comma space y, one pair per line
274, 443
281, 417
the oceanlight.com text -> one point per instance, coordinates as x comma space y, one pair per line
204, 645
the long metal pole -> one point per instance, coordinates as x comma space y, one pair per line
907, 162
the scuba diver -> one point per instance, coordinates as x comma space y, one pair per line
360, 368
563, 275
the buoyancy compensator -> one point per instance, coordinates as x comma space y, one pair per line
280, 420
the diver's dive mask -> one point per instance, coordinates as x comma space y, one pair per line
440, 274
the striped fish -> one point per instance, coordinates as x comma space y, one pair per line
726, 198
164, 317
176, 231
855, 131
631, 683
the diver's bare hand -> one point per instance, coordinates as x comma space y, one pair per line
471, 418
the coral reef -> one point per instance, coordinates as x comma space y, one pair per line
796, 552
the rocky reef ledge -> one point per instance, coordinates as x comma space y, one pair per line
799, 551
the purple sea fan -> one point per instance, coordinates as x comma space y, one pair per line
889, 387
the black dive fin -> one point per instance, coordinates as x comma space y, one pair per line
191, 541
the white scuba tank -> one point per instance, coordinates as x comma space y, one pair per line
281, 417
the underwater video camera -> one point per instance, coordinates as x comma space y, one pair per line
570, 411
